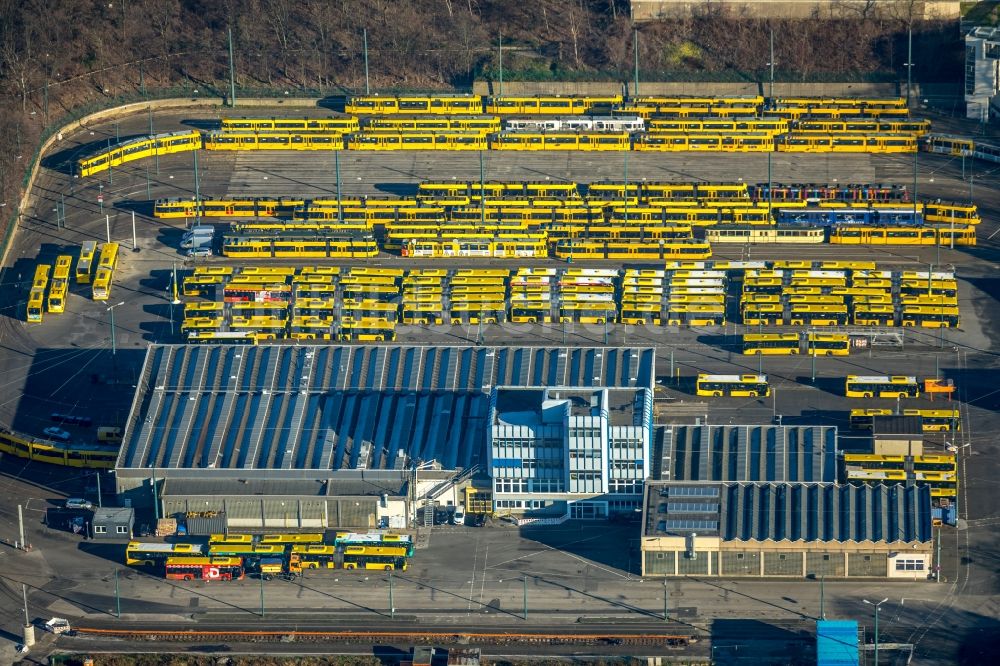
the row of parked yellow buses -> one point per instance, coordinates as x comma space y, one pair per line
256, 303
95, 266
776, 297
855, 386
228, 557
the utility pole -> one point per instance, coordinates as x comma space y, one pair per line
118, 597
635, 50
20, 523
261, 579
336, 169
876, 605
909, 62
107, 226
392, 604
197, 190
135, 244
97, 475
770, 93
232, 71
822, 590
500, 58
665, 600
524, 583
364, 34
482, 190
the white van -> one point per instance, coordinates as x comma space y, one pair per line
458, 518
197, 236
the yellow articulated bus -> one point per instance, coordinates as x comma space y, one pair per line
85, 264
224, 337
486, 312
771, 344
640, 314
423, 313
817, 315
386, 105
36, 297
828, 344
696, 314
874, 314
930, 316
367, 330
881, 386
588, 312
60, 284
734, 386
937, 420
313, 537
107, 262
310, 327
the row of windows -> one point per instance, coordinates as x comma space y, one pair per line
526, 442
584, 476
103, 529
625, 487
629, 443
522, 504
585, 432
910, 565
585, 454
530, 486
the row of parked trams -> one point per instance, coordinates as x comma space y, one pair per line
232, 556
600, 221
467, 122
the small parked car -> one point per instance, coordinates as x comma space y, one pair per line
458, 518
78, 503
53, 432
200, 251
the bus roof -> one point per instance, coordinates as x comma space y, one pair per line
732, 378
881, 378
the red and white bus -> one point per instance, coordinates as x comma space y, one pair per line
204, 568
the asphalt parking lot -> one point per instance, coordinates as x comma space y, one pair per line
66, 365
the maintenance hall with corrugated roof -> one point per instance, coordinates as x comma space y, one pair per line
299, 436
786, 529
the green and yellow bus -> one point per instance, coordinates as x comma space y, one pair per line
734, 386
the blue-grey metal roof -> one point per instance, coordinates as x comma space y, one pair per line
749, 453
812, 512
836, 643
341, 407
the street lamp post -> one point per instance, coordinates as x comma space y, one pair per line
876, 605
111, 309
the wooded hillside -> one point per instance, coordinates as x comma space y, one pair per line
59, 57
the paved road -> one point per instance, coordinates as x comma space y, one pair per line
65, 365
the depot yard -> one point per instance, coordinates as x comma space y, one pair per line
88, 359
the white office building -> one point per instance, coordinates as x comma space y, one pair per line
982, 72
581, 452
